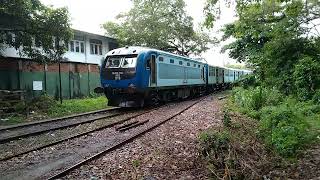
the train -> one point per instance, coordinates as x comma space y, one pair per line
138, 76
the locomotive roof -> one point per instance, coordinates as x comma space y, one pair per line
138, 49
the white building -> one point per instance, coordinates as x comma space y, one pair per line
84, 48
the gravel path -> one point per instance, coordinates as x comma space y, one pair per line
168, 152
45, 162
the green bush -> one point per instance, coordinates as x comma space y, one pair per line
226, 119
247, 81
42, 103
316, 97
213, 142
251, 100
306, 76
284, 120
284, 128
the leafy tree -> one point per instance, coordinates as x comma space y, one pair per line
275, 37
161, 24
35, 30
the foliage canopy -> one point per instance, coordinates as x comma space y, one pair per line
279, 38
161, 24
35, 30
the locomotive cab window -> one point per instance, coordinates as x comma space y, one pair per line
121, 62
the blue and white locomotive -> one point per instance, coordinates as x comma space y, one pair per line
135, 76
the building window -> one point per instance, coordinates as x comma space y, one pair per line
76, 46
95, 47
171, 61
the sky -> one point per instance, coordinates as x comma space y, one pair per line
88, 15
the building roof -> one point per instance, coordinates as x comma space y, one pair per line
88, 33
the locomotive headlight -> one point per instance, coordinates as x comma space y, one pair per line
131, 85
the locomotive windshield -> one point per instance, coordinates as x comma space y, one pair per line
121, 62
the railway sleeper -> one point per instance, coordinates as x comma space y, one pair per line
133, 126
126, 125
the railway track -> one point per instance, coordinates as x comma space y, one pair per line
29, 129
108, 125
123, 132
111, 148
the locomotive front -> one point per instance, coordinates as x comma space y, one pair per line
122, 77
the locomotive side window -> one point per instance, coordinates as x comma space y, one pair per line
180, 62
160, 58
171, 61
194, 65
188, 64
148, 64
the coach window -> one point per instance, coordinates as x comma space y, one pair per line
188, 64
194, 65
198, 65
171, 61
180, 62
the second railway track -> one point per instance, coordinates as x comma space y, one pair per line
34, 128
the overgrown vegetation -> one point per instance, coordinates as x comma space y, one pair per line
280, 41
285, 123
47, 107
234, 151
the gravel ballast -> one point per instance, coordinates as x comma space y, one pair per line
46, 162
168, 152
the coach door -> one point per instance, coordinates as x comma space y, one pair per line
153, 65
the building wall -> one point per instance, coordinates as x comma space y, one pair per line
77, 79
79, 71
86, 56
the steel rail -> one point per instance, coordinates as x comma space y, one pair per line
119, 144
47, 129
55, 119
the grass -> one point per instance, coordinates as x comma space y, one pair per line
77, 106
46, 107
